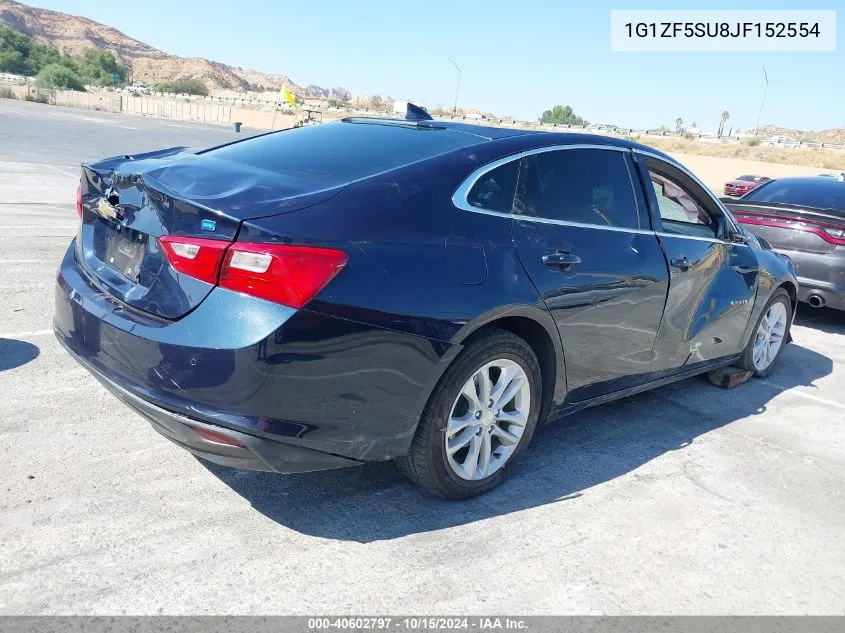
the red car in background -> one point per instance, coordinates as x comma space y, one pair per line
742, 185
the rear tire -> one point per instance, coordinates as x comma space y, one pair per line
769, 337
494, 435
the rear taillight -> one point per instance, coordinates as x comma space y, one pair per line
290, 275
830, 233
193, 256
79, 200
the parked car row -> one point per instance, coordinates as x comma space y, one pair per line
743, 184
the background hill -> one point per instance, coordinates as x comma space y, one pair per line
74, 34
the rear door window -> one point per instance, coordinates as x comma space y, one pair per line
336, 153
494, 191
586, 186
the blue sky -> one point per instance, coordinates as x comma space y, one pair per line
517, 58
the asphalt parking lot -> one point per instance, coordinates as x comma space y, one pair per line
685, 500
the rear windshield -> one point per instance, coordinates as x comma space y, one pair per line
340, 152
820, 193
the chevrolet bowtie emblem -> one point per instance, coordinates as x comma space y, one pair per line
107, 210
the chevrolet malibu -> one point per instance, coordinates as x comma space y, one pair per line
419, 291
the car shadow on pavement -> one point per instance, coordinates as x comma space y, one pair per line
824, 319
566, 458
14, 353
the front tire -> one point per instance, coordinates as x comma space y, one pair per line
771, 333
479, 420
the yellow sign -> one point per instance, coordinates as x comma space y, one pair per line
288, 95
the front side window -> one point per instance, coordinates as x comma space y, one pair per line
586, 186
679, 212
494, 191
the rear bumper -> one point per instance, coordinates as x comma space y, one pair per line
821, 275
299, 390
831, 296
247, 451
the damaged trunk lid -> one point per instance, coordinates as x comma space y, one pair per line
131, 202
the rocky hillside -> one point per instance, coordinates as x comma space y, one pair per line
74, 34
833, 135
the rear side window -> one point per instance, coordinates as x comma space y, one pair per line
581, 185
336, 153
494, 191
821, 193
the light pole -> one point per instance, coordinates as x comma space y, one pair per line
762, 102
457, 86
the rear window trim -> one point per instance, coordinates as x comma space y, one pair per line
460, 197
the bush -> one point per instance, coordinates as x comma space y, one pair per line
183, 86
58, 76
97, 67
21, 56
752, 142
7, 93
564, 115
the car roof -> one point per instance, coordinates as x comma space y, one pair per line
528, 139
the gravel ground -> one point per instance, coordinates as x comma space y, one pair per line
685, 500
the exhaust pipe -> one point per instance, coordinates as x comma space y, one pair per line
816, 301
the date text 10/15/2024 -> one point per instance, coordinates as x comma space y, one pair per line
421, 623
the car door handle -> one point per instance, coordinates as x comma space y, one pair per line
745, 269
681, 263
561, 259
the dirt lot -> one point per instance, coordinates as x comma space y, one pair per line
714, 172
688, 499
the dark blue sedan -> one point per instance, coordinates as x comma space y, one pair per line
412, 290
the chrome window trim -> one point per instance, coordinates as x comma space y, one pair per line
695, 179
459, 198
699, 238
583, 225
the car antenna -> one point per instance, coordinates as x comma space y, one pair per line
416, 113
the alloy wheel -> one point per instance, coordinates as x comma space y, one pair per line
487, 419
769, 337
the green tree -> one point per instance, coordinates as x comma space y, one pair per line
97, 67
12, 40
724, 117
41, 55
15, 63
14, 52
562, 114
679, 125
59, 76
183, 85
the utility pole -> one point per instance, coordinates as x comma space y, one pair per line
457, 86
762, 101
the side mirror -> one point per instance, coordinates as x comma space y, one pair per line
765, 244
739, 238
